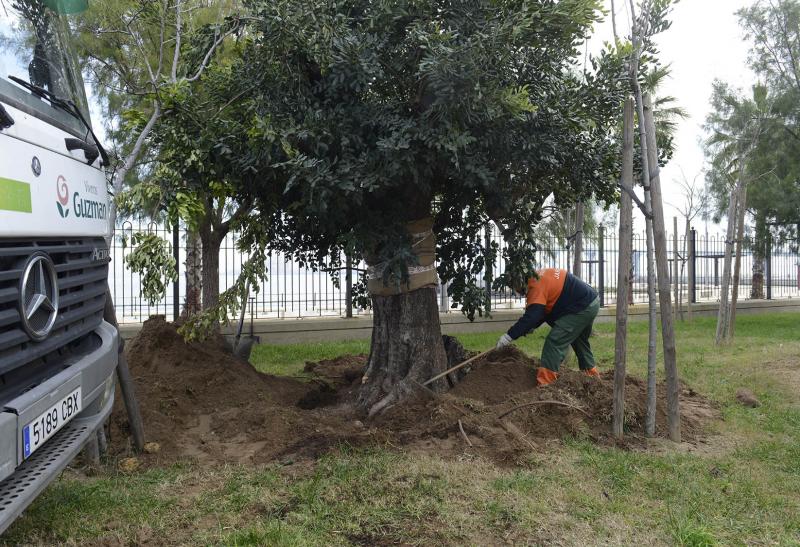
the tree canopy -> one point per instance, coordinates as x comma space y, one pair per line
774, 163
391, 112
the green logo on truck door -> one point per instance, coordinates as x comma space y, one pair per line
15, 195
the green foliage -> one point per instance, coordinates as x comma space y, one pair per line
773, 168
388, 112
200, 325
152, 259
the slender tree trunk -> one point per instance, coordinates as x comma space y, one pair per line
723, 318
759, 257
577, 266
646, 159
194, 281
664, 293
742, 209
406, 348
676, 282
652, 312
623, 273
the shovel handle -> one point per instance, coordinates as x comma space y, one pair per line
448, 371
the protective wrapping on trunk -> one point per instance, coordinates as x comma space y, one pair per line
421, 275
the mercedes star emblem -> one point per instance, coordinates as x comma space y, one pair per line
38, 300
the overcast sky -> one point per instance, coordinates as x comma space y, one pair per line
704, 43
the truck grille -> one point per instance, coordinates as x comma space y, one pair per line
82, 281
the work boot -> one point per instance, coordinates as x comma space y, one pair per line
592, 372
545, 376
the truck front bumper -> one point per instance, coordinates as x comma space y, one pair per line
94, 372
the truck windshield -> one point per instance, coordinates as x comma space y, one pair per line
35, 47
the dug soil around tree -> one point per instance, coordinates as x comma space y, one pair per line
199, 402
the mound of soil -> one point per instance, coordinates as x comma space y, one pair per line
198, 401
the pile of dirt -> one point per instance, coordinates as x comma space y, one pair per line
200, 402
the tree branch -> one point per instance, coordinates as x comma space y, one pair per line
210, 52
178, 29
635, 199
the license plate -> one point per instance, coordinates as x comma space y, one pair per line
35, 433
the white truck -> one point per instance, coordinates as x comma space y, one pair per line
57, 354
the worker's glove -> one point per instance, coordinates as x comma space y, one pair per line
504, 341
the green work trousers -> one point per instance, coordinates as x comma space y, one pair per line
573, 329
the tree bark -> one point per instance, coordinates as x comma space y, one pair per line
406, 349
759, 258
742, 209
623, 273
193, 272
211, 241
664, 293
676, 282
723, 317
577, 265
652, 322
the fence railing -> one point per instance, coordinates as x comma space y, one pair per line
293, 291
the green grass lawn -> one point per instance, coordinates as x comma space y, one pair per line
743, 487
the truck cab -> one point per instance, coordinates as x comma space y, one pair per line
57, 353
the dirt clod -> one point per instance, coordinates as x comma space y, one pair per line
747, 398
200, 402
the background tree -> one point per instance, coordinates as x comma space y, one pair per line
774, 196
134, 52
735, 125
694, 204
210, 142
407, 127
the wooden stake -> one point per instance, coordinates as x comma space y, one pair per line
623, 271
126, 381
665, 300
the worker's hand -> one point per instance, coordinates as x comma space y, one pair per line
504, 341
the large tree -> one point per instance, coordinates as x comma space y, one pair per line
407, 126
134, 54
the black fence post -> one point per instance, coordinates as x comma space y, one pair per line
489, 264
769, 266
176, 285
348, 287
692, 266
601, 263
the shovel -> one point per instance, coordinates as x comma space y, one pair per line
455, 368
243, 346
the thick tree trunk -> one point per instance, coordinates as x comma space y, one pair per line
211, 241
406, 349
193, 269
623, 273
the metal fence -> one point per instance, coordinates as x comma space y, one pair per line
292, 291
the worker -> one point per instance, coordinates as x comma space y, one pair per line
569, 306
